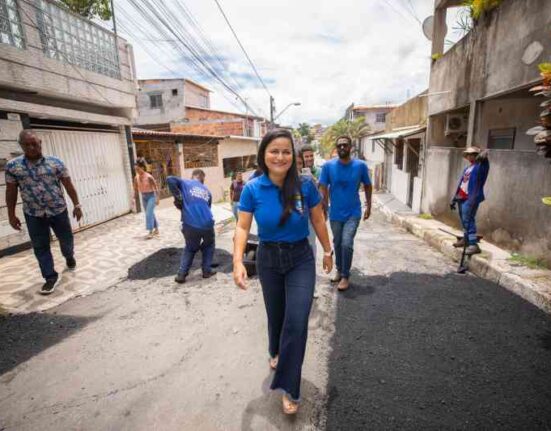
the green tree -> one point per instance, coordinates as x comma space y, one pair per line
305, 132
90, 8
355, 129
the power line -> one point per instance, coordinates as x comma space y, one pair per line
242, 47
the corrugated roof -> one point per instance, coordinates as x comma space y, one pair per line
146, 132
402, 133
365, 107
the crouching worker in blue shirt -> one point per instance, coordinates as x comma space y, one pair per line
282, 203
194, 200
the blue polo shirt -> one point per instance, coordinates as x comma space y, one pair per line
343, 181
196, 201
263, 198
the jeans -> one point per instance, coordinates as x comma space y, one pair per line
343, 242
39, 232
197, 239
287, 273
149, 201
235, 209
467, 213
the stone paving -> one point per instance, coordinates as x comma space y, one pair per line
104, 253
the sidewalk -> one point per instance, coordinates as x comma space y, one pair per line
104, 253
492, 264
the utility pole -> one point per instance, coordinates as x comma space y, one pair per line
272, 111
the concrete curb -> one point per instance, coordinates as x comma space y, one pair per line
492, 264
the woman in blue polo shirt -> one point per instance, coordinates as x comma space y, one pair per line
281, 202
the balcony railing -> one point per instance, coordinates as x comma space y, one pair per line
71, 39
64, 35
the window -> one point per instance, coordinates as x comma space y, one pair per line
373, 145
11, 32
200, 155
70, 39
399, 154
241, 163
501, 139
174, 91
156, 101
380, 117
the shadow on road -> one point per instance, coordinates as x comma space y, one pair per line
267, 408
422, 351
166, 261
24, 336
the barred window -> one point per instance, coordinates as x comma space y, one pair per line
71, 39
11, 31
155, 101
200, 155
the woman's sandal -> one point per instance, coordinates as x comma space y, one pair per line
273, 362
289, 407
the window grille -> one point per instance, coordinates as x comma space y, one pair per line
380, 118
501, 139
70, 39
241, 163
11, 31
200, 155
155, 101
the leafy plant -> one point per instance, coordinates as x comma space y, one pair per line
480, 7
436, 56
425, 216
90, 8
355, 129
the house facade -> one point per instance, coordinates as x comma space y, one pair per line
375, 115
176, 153
396, 156
73, 82
478, 95
161, 101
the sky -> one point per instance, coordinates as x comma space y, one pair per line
323, 54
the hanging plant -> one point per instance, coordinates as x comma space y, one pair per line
480, 7
542, 133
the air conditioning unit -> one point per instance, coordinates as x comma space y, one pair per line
456, 123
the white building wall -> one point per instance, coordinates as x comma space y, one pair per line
400, 184
173, 104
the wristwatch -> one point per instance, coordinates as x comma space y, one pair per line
79, 206
328, 254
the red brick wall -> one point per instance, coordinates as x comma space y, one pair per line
211, 129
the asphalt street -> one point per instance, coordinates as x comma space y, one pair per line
411, 345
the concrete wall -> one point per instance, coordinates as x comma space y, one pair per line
173, 105
400, 184
513, 215
488, 61
30, 70
195, 95
374, 155
411, 113
521, 113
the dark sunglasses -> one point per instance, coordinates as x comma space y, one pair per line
343, 145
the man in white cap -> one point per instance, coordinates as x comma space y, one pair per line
469, 194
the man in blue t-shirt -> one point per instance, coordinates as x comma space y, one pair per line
340, 181
194, 200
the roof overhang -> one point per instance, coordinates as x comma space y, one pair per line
398, 133
144, 133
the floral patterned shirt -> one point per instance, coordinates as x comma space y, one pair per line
39, 183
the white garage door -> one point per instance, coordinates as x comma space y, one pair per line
96, 164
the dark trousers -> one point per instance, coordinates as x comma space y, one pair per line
197, 239
344, 233
39, 231
288, 277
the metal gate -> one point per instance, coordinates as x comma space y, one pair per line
96, 165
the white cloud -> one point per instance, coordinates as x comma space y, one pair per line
324, 54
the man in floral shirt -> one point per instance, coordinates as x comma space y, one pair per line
39, 179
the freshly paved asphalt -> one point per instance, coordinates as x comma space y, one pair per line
417, 346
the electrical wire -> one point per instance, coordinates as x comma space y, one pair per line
242, 47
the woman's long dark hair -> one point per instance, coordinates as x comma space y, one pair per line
291, 184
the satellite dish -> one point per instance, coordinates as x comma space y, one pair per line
428, 26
